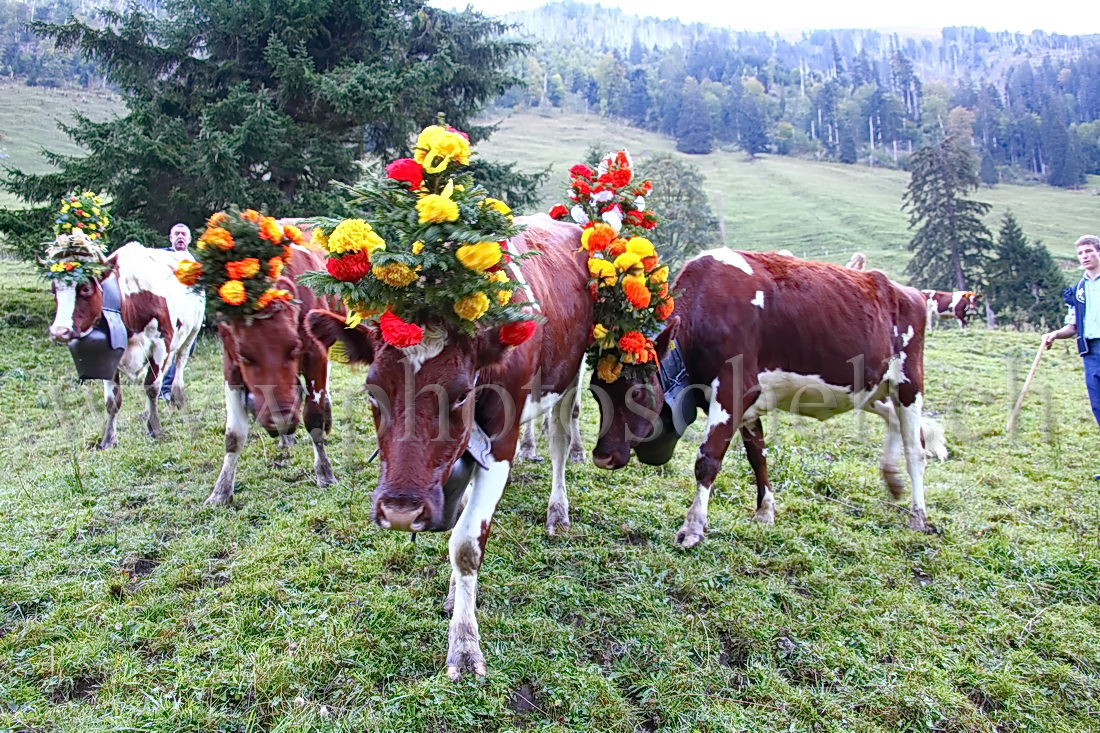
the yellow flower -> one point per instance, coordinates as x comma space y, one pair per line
355, 315
417, 247
57, 267
436, 209
641, 247
609, 369
491, 203
354, 235
319, 238
232, 292
627, 260
472, 307
599, 333
660, 275
395, 274
602, 269
479, 257
437, 146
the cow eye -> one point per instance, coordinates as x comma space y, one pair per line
459, 401
244, 360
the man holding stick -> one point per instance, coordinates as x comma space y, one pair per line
1083, 319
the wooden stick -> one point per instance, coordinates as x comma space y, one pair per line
1027, 383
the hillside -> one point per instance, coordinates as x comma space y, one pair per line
821, 210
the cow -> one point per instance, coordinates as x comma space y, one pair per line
423, 398
756, 332
528, 447
858, 261
262, 360
162, 319
959, 304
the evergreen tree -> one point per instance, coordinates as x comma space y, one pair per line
695, 132
688, 224
848, 153
987, 171
261, 104
753, 125
1025, 284
951, 246
637, 103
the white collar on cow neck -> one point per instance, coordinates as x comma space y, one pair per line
431, 346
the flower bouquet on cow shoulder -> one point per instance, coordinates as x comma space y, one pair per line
241, 255
628, 283
433, 252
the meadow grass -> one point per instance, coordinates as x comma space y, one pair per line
825, 211
125, 604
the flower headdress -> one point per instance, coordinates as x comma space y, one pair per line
240, 257
73, 259
83, 212
435, 249
627, 281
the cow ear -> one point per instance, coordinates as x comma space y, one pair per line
287, 284
329, 328
665, 337
490, 349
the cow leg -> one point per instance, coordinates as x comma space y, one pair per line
576, 446
889, 463
112, 401
719, 433
236, 433
753, 436
152, 392
283, 455
557, 512
467, 548
317, 415
527, 448
910, 419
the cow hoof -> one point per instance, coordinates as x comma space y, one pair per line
556, 524
325, 478
918, 522
578, 456
218, 499
155, 434
688, 538
106, 444
466, 660
764, 516
531, 457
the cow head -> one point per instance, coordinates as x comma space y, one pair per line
629, 410
267, 350
971, 299
78, 307
422, 401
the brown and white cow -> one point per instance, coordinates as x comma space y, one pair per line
262, 359
162, 320
758, 332
422, 399
959, 304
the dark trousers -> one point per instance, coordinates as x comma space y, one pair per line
170, 375
1092, 376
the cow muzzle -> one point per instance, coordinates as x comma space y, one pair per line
60, 334
610, 459
405, 511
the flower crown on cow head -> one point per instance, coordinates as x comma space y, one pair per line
73, 259
241, 255
627, 281
434, 249
83, 213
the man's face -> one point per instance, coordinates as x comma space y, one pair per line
1088, 256
179, 237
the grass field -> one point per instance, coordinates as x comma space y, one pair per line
125, 604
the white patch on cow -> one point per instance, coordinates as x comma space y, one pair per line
532, 408
236, 434
895, 369
955, 298
729, 257
695, 523
910, 419
66, 305
785, 253
758, 301
517, 275
431, 346
808, 395
716, 414
905, 339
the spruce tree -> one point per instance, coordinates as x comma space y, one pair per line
1025, 284
951, 245
260, 104
752, 125
695, 131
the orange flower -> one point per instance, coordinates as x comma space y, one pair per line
275, 267
664, 310
269, 295
597, 237
217, 237
633, 342
232, 292
216, 220
609, 369
188, 272
243, 269
616, 248
251, 215
636, 291
293, 233
287, 252
271, 230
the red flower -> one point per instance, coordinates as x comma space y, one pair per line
399, 333
559, 212
633, 342
458, 132
407, 170
648, 223
349, 268
582, 187
514, 334
580, 170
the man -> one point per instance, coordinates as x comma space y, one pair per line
1083, 319
179, 238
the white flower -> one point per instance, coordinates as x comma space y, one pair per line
639, 203
602, 196
577, 212
614, 218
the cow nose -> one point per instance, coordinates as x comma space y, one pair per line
402, 513
61, 334
608, 459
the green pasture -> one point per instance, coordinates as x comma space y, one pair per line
126, 605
